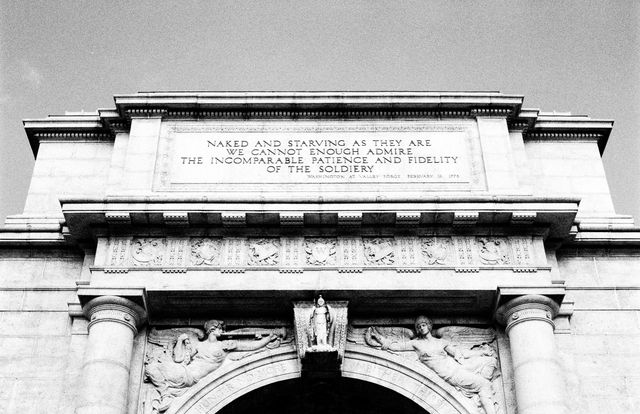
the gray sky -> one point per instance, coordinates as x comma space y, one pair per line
579, 56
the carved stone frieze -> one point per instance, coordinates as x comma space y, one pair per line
291, 253
408, 252
346, 253
350, 252
176, 253
234, 252
119, 252
522, 250
465, 251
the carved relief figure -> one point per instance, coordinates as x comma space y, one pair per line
205, 252
468, 370
264, 252
320, 325
320, 252
183, 361
379, 251
147, 252
493, 251
435, 251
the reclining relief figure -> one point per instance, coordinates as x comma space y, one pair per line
468, 370
182, 362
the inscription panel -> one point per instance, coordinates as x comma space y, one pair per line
264, 156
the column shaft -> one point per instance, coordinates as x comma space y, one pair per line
105, 371
538, 376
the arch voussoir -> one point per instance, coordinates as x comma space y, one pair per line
237, 379
408, 378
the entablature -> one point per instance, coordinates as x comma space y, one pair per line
233, 215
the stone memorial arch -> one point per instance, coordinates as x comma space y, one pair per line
314, 252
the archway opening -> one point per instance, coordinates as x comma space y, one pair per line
335, 396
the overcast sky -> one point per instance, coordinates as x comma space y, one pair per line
579, 56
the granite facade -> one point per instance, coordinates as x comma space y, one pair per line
535, 221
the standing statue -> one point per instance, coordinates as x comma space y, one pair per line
320, 325
470, 371
183, 362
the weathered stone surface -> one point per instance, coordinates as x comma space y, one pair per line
616, 322
67, 168
504, 199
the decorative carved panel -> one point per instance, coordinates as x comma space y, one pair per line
147, 252
437, 250
264, 252
234, 252
292, 252
465, 247
205, 252
320, 251
379, 251
349, 254
408, 251
119, 248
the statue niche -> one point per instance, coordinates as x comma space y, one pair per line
321, 331
464, 357
183, 356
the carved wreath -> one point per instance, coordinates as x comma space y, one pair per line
320, 251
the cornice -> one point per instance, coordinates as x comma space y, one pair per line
317, 100
322, 114
90, 218
541, 126
71, 127
105, 123
317, 105
33, 231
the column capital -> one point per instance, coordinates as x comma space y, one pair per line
527, 308
117, 309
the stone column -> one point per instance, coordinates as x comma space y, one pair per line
113, 323
538, 376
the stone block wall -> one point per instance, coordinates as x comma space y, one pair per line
67, 168
498, 156
570, 169
601, 356
39, 357
138, 158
